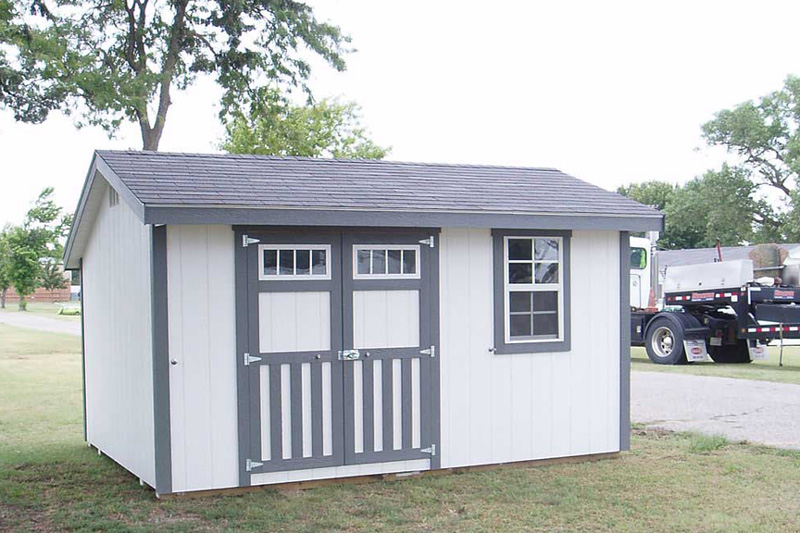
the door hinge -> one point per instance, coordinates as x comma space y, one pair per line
431, 450
430, 241
250, 359
247, 240
430, 351
250, 465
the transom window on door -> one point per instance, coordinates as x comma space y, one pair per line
381, 261
531, 270
294, 261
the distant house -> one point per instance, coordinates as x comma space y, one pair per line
255, 320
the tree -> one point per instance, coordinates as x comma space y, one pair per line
720, 205
37, 239
765, 135
656, 194
274, 126
52, 276
5, 253
120, 61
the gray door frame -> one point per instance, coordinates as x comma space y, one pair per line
248, 376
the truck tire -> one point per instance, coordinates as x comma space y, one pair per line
664, 340
730, 353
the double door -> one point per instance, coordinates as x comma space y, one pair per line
336, 330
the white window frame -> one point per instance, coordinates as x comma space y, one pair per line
386, 247
508, 288
293, 277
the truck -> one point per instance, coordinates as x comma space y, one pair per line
718, 310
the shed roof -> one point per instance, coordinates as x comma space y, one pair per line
174, 188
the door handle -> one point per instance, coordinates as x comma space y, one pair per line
349, 355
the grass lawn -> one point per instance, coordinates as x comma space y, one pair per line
764, 370
49, 479
47, 309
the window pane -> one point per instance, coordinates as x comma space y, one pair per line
638, 258
546, 325
409, 261
520, 325
287, 262
379, 261
394, 261
546, 249
303, 262
520, 273
270, 262
546, 272
520, 302
319, 262
363, 261
519, 249
545, 301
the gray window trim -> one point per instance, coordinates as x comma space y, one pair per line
500, 344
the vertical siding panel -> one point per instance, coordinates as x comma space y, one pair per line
202, 340
220, 306
456, 355
488, 373
118, 343
497, 408
176, 338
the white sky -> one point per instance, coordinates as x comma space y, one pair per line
612, 92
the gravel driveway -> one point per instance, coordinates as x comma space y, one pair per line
42, 323
740, 409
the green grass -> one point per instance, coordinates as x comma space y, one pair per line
49, 479
50, 310
762, 370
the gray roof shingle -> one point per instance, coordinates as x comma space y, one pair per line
201, 180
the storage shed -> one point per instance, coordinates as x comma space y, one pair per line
255, 320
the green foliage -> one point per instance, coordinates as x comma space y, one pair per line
765, 134
52, 276
5, 266
119, 61
720, 205
274, 126
35, 242
656, 194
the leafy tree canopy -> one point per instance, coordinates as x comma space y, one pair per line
274, 126
120, 61
720, 205
35, 243
656, 194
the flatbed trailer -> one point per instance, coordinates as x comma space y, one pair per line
731, 325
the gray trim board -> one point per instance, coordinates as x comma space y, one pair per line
277, 216
624, 342
242, 343
500, 345
160, 325
83, 352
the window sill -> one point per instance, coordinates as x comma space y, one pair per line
533, 347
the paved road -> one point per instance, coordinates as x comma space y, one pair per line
740, 409
43, 323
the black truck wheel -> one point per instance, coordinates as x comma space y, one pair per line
664, 341
730, 353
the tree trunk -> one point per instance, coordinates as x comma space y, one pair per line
151, 138
3, 299
23, 305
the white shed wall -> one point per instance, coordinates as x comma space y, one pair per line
503, 408
118, 342
202, 339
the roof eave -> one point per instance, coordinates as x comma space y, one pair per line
281, 216
80, 223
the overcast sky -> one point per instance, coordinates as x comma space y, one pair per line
611, 92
